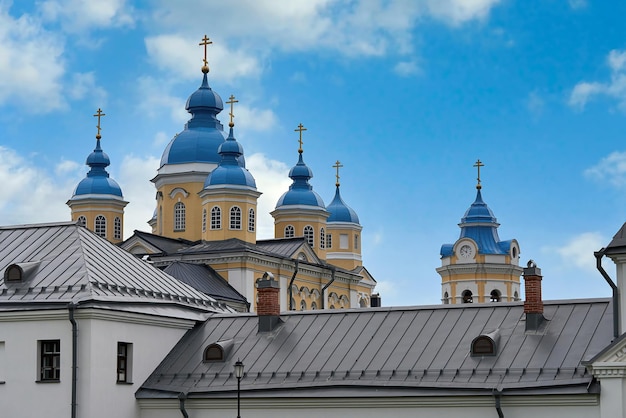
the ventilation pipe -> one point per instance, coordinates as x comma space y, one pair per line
295, 271
599, 255
332, 279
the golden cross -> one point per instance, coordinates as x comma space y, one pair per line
205, 42
300, 129
99, 114
478, 165
232, 115
337, 166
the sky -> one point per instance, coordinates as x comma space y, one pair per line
406, 94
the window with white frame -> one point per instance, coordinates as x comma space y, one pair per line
235, 217
82, 221
290, 232
117, 228
329, 241
309, 235
124, 362
343, 241
100, 226
251, 220
179, 216
322, 238
203, 220
216, 218
356, 241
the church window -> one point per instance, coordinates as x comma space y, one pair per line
49, 360
495, 296
216, 218
117, 228
124, 359
203, 220
309, 235
235, 217
82, 221
303, 305
101, 226
356, 242
313, 306
322, 238
515, 296
343, 241
251, 220
289, 232
446, 298
179, 216
329, 241
467, 296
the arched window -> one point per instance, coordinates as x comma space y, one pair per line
251, 220
515, 295
309, 235
216, 218
495, 296
303, 305
356, 242
179, 216
82, 221
322, 238
329, 241
289, 232
467, 296
213, 353
446, 298
100, 226
313, 306
203, 220
117, 228
235, 217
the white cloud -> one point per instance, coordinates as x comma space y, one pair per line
253, 119
160, 139
578, 251
84, 85
272, 179
156, 99
407, 68
134, 179
614, 88
611, 169
79, 15
27, 75
460, 11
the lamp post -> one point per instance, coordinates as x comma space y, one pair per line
238, 375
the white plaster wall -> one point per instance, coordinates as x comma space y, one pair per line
243, 281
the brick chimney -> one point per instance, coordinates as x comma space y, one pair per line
533, 305
268, 304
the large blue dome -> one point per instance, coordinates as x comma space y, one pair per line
203, 133
339, 211
300, 192
98, 181
229, 171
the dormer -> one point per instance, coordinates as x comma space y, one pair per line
20, 272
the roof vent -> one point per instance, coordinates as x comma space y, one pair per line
217, 351
19, 272
486, 344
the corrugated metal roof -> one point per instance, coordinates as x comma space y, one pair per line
77, 265
393, 349
165, 244
286, 247
204, 279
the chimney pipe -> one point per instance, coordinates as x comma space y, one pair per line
268, 305
533, 305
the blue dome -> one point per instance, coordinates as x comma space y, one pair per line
300, 192
229, 171
339, 211
203, 133
97, 180
480, 225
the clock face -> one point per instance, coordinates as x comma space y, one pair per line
466, 251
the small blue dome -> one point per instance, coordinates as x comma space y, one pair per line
229, 171
478, 212
300, 192
203, 133
339, 211
98, 180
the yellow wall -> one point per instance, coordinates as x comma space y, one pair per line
245, 201
167, 197
315, 220
109, 210
350, 263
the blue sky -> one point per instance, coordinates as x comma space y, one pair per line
406, 94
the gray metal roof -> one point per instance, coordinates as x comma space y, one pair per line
618, 243
164, 244
204, 279
286, 247
74, 264
390, 350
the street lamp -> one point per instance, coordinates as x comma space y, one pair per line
238, 375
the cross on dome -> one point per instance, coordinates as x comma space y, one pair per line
300, 129
231, 102
337, 165
478, 164
98, 115
205, 42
